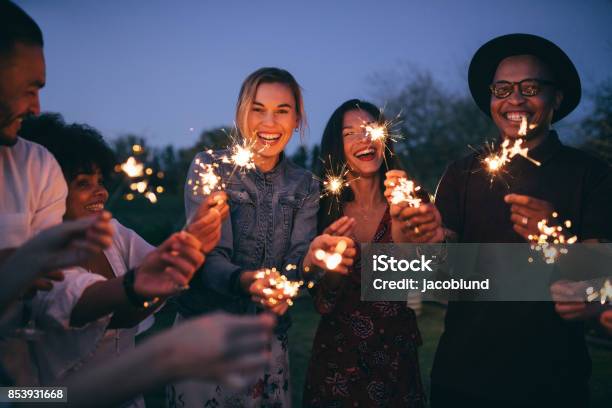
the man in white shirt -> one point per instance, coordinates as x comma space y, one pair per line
32, 188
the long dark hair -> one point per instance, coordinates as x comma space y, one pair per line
332, 154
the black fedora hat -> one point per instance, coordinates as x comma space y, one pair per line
487, 58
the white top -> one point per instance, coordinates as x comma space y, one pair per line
32, 197
32, 192
64, 349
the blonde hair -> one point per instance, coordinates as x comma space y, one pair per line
268, 75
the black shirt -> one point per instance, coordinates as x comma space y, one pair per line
519, 351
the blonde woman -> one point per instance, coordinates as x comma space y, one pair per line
273, 210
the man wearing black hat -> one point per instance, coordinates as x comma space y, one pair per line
520, 354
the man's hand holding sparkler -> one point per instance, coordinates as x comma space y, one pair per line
205, 225
606, 321
411, 219
526, 212
170, 267
566, 296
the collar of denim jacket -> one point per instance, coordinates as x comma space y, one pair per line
276, 171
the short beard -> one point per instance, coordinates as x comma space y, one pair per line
8, 141
6, 118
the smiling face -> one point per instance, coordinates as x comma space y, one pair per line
22, 75
363, 156
271, 119
86, 196
507, 113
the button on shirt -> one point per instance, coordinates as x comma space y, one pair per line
519, 351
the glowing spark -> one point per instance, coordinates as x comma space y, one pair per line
289, 289
551, 241
151, 197
135, 169
207, 179
523, 129
241, 155
604, 294
332, 259
404, 192
375, 132
495, 162
132, 167
141, 186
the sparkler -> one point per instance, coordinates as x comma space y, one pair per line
383, 132
334, 182
332, 259
207, 179
141, 176
496, 161
604, 294
551, 241
404, 192
289, 289
241, 155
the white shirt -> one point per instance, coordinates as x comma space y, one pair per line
64, 350
32, 197
32, 192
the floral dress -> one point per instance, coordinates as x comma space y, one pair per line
364, 353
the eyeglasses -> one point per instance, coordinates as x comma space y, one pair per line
527, 87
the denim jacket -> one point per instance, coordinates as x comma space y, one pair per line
273, 219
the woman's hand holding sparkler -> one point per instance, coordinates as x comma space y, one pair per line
343, 226
331, 253
270, 289
205, 225
169, 268
411, 219
526, 212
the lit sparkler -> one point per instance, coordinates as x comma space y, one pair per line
206, 180
604, 294
405, 192
495, 162
241, 155
289, 289
332, 259
141, 176
132, 167
551, 240
334, 182
383, 132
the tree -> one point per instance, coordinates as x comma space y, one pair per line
596, 128
300, 157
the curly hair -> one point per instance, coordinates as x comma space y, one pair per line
78, 148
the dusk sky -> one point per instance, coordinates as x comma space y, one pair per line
166, 70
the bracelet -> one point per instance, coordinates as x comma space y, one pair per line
134, 298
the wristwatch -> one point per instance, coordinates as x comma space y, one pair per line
134, 298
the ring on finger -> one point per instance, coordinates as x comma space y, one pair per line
525, 220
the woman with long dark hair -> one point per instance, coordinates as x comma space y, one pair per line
365, 353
